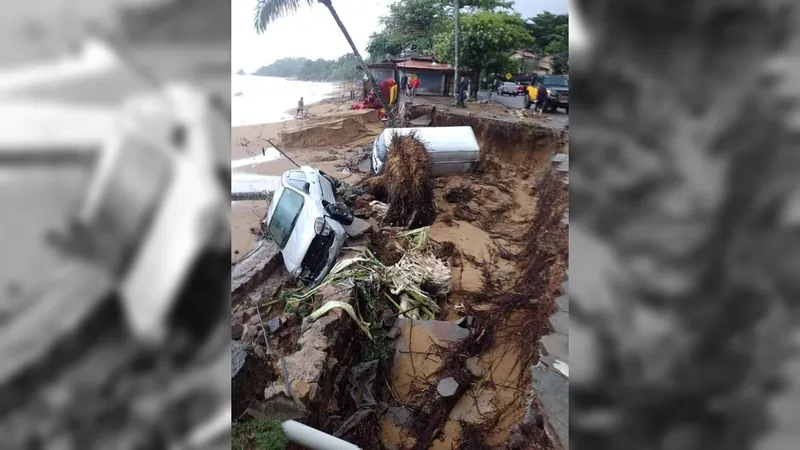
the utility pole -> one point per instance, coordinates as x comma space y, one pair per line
455, 63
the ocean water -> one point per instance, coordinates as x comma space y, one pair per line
257, 99
244, 182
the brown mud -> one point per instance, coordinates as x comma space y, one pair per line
330, 132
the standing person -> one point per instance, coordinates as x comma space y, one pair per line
462, 92
404, 83
300, 108
414, 86
541, 99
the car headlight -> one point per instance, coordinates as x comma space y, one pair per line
319, 225
296, 273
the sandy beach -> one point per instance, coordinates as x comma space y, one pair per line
331, 137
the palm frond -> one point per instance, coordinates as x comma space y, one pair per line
266, 11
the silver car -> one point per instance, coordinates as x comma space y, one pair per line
508, 88
453, 150
307, 224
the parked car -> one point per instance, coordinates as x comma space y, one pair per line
453, 150
521, 88
509, 88
557, 91
307, 223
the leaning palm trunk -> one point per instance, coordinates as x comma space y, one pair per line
268, 10
373, 84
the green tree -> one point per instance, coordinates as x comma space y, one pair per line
382, 43
487, 38
266, 11
413, 24
345, 68
558, 49
546, 28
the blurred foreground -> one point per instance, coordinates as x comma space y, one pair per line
115, 236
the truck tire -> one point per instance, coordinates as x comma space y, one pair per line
340, 213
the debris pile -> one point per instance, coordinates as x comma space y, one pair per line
405, 184
410, 285
473, 261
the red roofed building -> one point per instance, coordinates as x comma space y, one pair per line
435, 77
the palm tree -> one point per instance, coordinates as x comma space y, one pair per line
266, 11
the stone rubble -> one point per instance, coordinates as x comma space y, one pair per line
447, 387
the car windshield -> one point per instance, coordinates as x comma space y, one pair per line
381, 146
555, 81
286, 213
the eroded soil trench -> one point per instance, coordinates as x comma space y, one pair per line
459, 381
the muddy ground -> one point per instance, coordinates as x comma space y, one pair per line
482, 227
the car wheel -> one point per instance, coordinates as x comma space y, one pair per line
340, 213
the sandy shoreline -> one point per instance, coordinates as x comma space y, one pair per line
330, 138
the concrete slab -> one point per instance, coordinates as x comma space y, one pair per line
560, 322
559, 158
238, 356
365, 166
552, 393
423, 121
253, 268
400, 414
563, 303
358, 228
557, 346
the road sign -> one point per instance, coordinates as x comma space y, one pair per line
509, 76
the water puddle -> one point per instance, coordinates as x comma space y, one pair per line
242, 183
270, 154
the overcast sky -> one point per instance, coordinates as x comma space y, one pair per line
312, 33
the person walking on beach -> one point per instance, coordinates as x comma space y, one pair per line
300, 108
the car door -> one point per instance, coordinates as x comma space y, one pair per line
327, 189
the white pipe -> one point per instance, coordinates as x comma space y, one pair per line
314, 439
